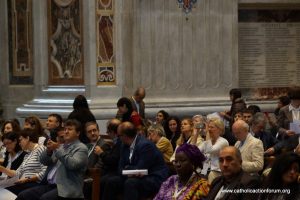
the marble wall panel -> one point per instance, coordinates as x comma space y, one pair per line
174, 53
20, 41
65, 42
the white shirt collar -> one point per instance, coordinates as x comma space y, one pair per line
291, 108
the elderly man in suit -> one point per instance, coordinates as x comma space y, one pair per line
251, 148
137, 101
233, 177
136, 153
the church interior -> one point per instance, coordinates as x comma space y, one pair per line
222, 72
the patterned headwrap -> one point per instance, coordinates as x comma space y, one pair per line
193, 153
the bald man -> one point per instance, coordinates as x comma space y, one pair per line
136, 153
233, 177
251, 148
137, 101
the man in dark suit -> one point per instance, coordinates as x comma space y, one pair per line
136, 153
233, 178
257, 129
137, 101
289, 114
96, 146
111, 157
53, 125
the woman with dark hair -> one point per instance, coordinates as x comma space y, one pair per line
172, 130
126, 112
34, 123
31, 171
14, 155
82, 114
10, 125
237, 105
161, 117
284, 176
187, 183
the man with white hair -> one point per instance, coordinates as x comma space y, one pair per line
251, 148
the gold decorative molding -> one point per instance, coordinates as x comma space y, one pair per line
106, 73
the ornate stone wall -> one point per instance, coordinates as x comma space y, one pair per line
65, 42
175, 55
20, 41
187, 62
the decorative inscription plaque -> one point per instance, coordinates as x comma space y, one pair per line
269, 48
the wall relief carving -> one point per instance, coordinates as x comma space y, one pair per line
65, 42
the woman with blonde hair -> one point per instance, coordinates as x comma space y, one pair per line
188, 135
212, 147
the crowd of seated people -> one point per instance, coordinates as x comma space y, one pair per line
238, 154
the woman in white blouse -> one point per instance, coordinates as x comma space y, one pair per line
212, 147
31, 171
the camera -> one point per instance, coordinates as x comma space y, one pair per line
200, 126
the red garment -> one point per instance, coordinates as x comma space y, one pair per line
136, 119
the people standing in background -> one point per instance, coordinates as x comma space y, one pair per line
282, 101
127, 114
138, 104
82, 114
237, 104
